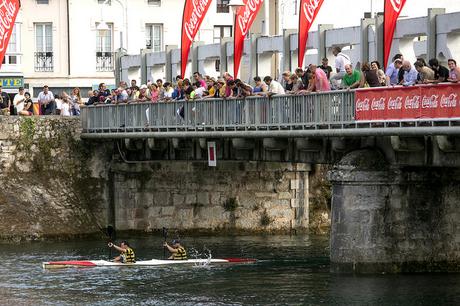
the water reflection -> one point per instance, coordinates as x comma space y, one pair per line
292, 270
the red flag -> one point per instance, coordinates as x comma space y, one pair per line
392, 10
8, 11
243, 21
194, 13
307, 14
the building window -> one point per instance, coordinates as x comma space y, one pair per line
154, 2
221, 32
43, 47
12, 55
104, 49
42, 2
222, 6
154, 37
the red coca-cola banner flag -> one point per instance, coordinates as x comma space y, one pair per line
194, 13
415, 102
392, 10
243, 22
8, 11
307, 14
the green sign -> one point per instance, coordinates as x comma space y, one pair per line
13, 82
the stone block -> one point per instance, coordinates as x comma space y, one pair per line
167, 211
216, 198
190, 198
265, 195
284, 196
295, 184
161, 198
202, 198
294, 203
178, 199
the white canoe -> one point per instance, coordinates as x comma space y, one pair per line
144, 263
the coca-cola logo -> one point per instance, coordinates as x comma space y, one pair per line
412, 102
449, 101
192, 25
395, 103
430, 101
245, 19
8, 11
309, 8
397, 5
362, 105
378, 104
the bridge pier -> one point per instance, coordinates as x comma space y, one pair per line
393, 219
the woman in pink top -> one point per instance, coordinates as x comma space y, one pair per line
321, 81
154, 93
454, 71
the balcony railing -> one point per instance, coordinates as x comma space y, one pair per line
252, 113
222, 6
105, 61
44, 61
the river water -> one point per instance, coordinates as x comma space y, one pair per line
292, 270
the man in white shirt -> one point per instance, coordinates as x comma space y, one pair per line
18, 100
341, 60
274, 87
46, 101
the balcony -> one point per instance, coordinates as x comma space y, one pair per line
44, 61
222, 6
105, 61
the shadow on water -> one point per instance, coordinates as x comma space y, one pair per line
291, 270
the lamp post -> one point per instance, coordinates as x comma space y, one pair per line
102, 26
235, 5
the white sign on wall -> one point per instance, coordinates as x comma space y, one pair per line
212, 156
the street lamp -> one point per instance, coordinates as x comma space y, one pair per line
102, 26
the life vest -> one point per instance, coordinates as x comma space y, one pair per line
181, 254
129, 256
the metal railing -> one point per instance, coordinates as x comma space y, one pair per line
44, 61
105, 61
283, 112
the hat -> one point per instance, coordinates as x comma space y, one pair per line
143, 86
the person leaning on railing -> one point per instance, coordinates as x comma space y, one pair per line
441, 73
370, 77
352, 78
454, 71
424, 72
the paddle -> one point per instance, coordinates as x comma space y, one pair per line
165, 233
111, 235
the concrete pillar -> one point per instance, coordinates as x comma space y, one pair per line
364, 42
322, 28
253, 71
144, 71
379, 39
194, 51
431, 32
395, 220
223, 54
118, 68
286, 63
168, 65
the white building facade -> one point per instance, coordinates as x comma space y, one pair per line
61, 43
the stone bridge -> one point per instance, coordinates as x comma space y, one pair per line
394, 180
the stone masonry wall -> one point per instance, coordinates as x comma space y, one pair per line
51, 184
234, 196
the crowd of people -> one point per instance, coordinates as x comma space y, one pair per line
314, 78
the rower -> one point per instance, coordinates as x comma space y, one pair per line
177, 250
127, 254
